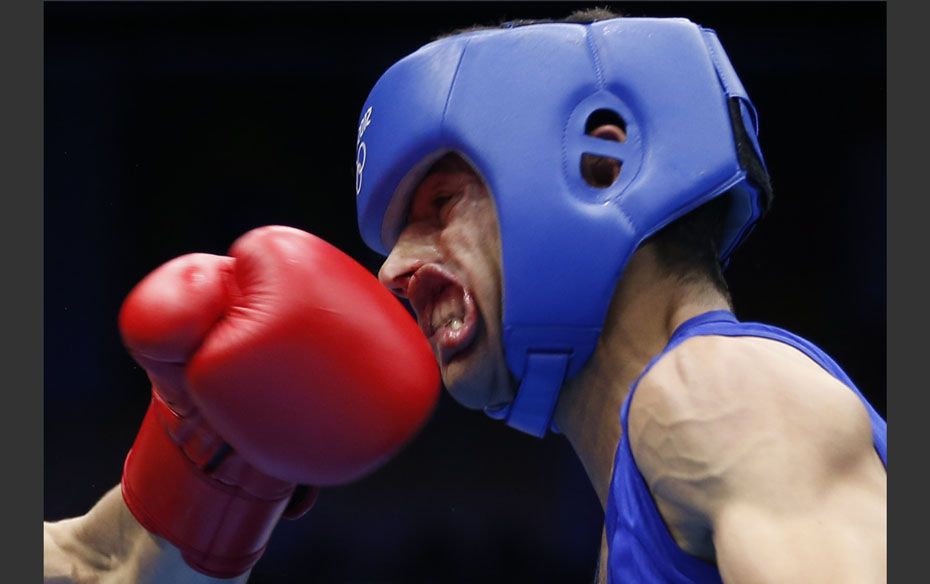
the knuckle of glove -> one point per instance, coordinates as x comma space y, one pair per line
167, 315
317, 374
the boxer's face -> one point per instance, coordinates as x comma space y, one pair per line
447, 263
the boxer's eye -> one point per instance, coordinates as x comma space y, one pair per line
440, 201
442, 204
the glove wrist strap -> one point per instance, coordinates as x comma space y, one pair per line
221, 529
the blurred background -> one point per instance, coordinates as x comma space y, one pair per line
176, 127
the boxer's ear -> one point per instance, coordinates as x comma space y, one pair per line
602, 171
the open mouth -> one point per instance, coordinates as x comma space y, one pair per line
446, 312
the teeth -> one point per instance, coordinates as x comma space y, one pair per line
454, 323
448, 313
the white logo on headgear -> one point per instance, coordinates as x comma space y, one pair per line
361, 151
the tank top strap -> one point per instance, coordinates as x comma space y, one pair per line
694, 326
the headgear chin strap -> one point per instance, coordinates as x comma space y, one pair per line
515, 103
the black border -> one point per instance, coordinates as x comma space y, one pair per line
23, 261
22, 243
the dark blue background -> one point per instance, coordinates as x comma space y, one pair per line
175, 127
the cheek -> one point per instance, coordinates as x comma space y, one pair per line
479, 259
493, 271
472, 239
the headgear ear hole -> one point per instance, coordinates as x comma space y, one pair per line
604, 117
600, 171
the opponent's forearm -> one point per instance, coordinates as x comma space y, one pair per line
108, 545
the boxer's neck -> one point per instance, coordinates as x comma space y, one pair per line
647, 307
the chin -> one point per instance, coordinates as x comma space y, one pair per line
465, 393
477, 384
472, 376
467, 383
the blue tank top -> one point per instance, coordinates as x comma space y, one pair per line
641, 550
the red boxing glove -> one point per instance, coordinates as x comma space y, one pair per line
286, 364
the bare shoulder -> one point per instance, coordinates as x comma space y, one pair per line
719, 413
740, 385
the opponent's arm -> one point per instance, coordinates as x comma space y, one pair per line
282, 365
107, 545
773, 457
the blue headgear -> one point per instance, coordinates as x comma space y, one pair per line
514, 103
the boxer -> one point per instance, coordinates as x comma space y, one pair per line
556, 201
